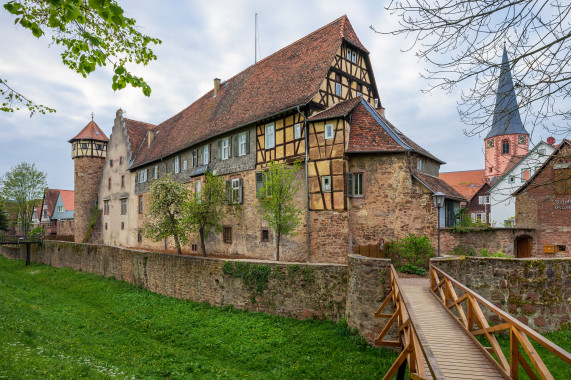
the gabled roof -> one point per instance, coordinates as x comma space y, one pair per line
67, 197
436, 185
555, 153
467, 182
50, 199
282, 81
507, 120
370, 132
137, 133
338, 110
91, 132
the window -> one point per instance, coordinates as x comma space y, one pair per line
265, 236
184, 165
419, 165
355, 184
260, 179
194, 247
83, 145
561, 249
98, 146
353, 57
348, 54
198, 189
106, 207
490, 169
297, 131
45, 214
206, 155
338, 89
105, 226
242, 144
490, 143
505, 147
227, 234
326, 183
234, 190
484, 199
109, 184
270, 137
59, 208
124, 206
194, 158
156, 172
511, 179
328, 131
225, 148
480, 217
123, 181
521, 140
139, 236
140, 204
177, 164
121, 160
525, 174
359, 89
122, 225
111, 163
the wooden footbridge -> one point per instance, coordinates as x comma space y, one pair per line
437, 332
20, 240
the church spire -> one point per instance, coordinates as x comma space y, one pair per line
507, 120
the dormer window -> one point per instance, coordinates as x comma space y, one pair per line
505, 147
349, 53
353, 57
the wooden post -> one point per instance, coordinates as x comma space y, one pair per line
514, 355
401, 371
27, 254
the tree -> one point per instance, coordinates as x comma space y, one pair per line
3, 218
167, 209
24, 186
277, 202
462, 41
209, 205
93, 33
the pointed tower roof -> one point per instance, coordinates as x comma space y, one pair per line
91, 132
507, 120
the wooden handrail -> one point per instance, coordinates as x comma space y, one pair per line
411, 338
519, 332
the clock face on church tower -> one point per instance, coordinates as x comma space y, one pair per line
521, 140
490, 143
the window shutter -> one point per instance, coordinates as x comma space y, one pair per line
240, 191
228, 192
209, 153
219, 152
481, 200
235, 145
349, 184
248, 142
483, 218
199, 156
259, 183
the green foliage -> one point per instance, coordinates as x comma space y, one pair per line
24, 187
412, 269
167, 208
93, 34
499, 253
256, 276
60, 324
3, 218
465, 223
206, 210
415, 250
343, 329
277, 202
463, 250
91, 225
36, 231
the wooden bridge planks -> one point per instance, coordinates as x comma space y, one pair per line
456, 354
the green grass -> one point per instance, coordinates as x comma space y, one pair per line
57, 323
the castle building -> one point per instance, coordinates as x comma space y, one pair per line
314, 101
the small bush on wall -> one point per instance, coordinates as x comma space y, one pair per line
463, 250
413, 249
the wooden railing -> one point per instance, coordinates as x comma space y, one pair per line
467, 310
14, 239
416, 351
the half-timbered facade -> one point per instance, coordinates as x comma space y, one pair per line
315, 102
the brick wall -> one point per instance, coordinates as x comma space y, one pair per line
492, 240
65, 227
535, 291
330, 291
88, 171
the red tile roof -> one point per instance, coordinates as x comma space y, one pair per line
50, 199
91, 132
338, 110
137, 133
466, 182
67, 197
286, 79
436, 185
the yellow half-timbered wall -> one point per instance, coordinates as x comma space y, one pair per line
287, 147
352, 77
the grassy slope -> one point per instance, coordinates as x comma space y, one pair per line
57, 323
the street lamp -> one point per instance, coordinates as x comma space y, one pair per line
438, 199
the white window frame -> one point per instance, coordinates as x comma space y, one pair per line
484, 199
297, 131
205, 155
156, 172
270, 136
177, 164
348, 54
124, 203
59, 208
337, 89
358, 188
511, 179
523, 180
242, 142
354, 57
329, 134
326, 183
184, 164
144, 175
419, 165
235, 188
198, 189
225, 148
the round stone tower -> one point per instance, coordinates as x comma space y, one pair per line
88, 150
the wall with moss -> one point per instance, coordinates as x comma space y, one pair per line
535, 291
293, 290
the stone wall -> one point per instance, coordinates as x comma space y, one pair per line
86, 184
535, 291
492, 240
65, 227
330, 291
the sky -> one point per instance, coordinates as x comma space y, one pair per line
203, 40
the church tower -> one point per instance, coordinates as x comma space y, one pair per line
88, 150
507, 140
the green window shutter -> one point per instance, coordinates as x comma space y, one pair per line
199, 155
349, 184
219, 151
248, 142
228, 192
235, 145
209, 153
240, 191
259, 183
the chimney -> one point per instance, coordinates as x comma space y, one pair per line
379, 107
216, 86
150, 137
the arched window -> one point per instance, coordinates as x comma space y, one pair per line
505, 147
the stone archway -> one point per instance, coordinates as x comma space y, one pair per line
522, 245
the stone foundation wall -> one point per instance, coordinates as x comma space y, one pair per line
65, 228
535, 291
330, 291
492, 240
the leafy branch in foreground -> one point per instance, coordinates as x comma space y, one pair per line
93, 33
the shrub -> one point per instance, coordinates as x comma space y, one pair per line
463, 250
499, 253
415, 250
36, 231
412, 269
